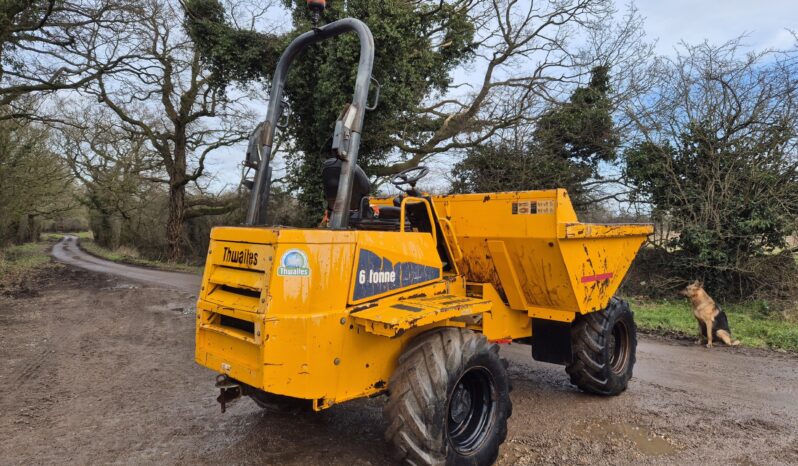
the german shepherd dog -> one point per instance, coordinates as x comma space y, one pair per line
712, 321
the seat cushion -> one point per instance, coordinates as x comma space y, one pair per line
389, 212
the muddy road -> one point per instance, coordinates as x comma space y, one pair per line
98, 368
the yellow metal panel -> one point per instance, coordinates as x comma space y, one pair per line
595, 230
551, 314
394, 319
225, 351
596, 267
241, 255
539, 254
501, 322
238, 278
218, 295
301, 350
451, 239
506, 272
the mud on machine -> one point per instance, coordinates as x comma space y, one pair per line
409, 296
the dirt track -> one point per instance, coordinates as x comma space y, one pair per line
99, 369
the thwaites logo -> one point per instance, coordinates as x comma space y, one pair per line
294, 263
242, 257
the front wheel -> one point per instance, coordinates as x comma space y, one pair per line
603, 347
448, 400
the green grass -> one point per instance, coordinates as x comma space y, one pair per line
19, 261
57, 236
128, 255
752, 323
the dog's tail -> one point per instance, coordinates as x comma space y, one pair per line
726, 337
723, 331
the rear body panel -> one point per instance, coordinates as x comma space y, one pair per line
296, 336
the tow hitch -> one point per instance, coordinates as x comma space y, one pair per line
229, 390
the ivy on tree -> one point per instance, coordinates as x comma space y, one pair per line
417, 45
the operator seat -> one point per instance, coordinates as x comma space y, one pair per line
331, 174
362, 215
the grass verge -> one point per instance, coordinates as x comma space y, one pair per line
57, 236
127, 255
19, 262
752, 323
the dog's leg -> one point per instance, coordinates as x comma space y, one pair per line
724, 335
701, 332
709, 333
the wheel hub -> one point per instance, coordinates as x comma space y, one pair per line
461, 404
472, 410
618, 347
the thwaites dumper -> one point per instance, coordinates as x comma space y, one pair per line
409, 296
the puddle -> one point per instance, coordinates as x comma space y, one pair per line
644, 440
185, 310
120, 286
176, 307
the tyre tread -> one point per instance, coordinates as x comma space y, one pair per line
415, 422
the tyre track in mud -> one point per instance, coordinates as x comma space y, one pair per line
100, 370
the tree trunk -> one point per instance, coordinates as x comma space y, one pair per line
175, 235
178, 178
24, 229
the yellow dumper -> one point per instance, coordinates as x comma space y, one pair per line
409, 296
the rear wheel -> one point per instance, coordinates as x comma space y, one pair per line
603, 347
448, 400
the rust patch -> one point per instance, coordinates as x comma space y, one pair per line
364, 307
455, 301
405, 307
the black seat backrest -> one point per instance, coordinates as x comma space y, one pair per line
331, 174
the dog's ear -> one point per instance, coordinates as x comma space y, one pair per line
696, 283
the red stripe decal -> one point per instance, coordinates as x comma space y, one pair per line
597, 278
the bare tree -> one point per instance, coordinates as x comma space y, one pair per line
163, 94
52, 45
716, 160
111, 165
531, 55
34, 181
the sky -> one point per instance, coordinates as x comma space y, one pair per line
765, 21
669, 22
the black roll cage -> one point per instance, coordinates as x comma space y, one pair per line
348, 129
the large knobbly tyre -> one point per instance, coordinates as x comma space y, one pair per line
448, 400
603, 346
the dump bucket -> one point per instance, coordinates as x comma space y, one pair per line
532, 248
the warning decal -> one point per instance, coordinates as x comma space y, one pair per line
533, 207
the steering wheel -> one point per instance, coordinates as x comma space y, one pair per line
409, 176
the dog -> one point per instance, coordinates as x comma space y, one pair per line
712, 321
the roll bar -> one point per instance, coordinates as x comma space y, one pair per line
352, 123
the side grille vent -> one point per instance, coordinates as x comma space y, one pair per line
238, 324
